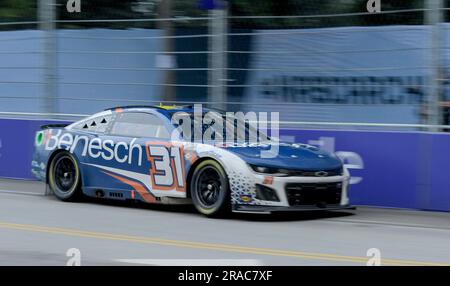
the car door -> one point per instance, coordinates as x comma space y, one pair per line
139, 157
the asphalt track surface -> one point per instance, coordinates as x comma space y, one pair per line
38, 230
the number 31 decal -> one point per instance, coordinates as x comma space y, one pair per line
167, 166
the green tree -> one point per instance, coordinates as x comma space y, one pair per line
18, 10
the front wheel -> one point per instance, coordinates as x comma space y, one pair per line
64, 177
209, 189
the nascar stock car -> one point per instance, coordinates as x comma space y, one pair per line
138, 153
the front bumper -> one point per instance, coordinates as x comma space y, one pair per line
296, 193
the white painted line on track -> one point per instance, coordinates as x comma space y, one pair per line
193, 262
20, 193
387, 223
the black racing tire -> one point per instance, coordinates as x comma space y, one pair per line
210, 191
64, 177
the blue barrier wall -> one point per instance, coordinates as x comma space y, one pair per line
391, 169
16, 146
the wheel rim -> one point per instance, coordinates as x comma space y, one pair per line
65, 174
209, 186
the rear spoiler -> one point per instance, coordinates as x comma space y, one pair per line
48, 126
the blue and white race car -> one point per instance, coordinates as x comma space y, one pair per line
139, 153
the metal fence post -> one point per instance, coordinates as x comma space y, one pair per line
46, 11
165, 11
434, 16
217, 91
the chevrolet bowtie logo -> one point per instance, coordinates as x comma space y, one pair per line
321, 174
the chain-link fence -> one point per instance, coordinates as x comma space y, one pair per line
318, 63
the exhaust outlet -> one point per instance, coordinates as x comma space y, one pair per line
99, 194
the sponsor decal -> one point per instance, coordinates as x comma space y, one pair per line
246, 198
39, 138
107, 149
268, 180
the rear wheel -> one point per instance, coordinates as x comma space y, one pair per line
64, 177
209, 189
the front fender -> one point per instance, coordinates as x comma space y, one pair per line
241, 178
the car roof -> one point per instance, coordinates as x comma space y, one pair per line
165, 109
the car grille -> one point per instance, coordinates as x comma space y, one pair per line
319, 173
318, 194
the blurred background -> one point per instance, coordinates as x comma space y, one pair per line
320, 63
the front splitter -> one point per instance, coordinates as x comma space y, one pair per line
272, 209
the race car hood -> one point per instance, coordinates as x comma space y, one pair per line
290, 156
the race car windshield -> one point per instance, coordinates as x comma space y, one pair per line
219, 127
